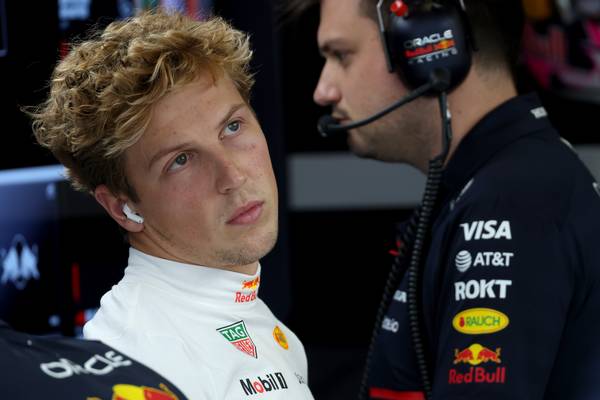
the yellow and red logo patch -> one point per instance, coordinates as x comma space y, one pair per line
132, 392
280, 337
252, 284
478, 321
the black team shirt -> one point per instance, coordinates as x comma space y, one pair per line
511, 283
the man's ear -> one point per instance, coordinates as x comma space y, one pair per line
114, 207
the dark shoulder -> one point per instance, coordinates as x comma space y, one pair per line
538, 176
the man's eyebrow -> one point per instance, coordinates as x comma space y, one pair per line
328, 45
161, 153
231, 111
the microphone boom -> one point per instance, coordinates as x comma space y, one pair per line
439, 81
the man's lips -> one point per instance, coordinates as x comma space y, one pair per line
247, 214
340, 117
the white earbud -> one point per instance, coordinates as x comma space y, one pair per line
131, 215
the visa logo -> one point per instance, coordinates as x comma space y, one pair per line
484, 230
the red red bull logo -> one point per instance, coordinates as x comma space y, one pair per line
132, 392
477, 375
252, 284
476, 355
245, 297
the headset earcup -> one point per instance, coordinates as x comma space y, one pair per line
425, 41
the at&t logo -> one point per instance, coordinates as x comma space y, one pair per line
464, 260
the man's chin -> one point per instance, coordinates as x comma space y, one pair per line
251, 250
358, 146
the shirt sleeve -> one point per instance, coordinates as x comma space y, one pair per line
503, 301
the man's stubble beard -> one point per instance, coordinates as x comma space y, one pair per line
393, 139
250, 252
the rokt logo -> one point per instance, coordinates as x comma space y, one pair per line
19, 262
481, 289
485, 230
261, 385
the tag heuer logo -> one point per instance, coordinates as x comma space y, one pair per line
237, 335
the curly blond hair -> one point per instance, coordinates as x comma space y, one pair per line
103, 91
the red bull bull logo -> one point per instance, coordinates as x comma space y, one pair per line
245, 297
132, 392
476, 355
252, 284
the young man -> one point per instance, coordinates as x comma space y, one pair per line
508, 296
152, 116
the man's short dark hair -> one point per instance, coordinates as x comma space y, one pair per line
496, 24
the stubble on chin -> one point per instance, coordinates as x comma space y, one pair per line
248, 250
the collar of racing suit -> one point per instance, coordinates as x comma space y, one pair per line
520, 116
196, 284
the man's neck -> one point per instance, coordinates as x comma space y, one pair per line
478, 95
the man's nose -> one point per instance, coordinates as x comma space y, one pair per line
230, 176
326, 93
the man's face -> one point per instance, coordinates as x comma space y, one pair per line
204, 178
355, 81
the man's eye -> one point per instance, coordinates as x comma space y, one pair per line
179, 161
340, 56
232, 128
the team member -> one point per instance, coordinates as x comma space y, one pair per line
36, 367
152, 116
508, 297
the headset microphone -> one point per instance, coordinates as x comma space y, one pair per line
439, 81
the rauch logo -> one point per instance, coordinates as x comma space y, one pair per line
477, 321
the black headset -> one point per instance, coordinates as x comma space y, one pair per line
422, 36
429, 43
